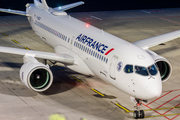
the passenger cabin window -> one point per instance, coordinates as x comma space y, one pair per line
128, 69
141, 70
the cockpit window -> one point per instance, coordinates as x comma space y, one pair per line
141, 70
128, 69
152, 70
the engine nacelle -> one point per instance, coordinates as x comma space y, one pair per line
36, 76
163, 65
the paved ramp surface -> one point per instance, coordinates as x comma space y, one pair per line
77, 96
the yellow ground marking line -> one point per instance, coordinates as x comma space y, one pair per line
4, 34
128, 111
15, 41
122, 107
27, 48
80, 81
96, 91
178, 107
162, 115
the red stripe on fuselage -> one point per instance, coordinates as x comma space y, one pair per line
109, 51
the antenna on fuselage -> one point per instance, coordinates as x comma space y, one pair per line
102, 31
69, 17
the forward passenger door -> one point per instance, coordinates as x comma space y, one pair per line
112, 67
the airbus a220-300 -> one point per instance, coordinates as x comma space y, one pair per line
131, 67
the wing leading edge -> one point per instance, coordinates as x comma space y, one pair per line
14, 12
153, 41
62, 58
62, 8
69, 6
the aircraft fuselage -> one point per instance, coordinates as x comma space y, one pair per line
97, 52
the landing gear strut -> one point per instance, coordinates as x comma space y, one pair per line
138, 113
52, 62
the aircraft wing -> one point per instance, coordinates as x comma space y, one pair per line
62, 58
14, 12
69, 6
153, 41
62, 8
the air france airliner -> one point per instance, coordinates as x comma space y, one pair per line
131, 67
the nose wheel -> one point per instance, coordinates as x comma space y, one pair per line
138, 113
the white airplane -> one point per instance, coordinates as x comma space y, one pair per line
131, 67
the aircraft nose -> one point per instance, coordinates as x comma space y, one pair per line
155, 92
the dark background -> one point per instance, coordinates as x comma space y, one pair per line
97, 5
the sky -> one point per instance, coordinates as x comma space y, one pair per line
98, 5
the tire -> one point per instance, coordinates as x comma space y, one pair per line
141, 114
136, 114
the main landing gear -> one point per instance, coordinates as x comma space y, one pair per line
139, 113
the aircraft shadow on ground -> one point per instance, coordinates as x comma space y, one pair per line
161, 51
61, 82
11, 81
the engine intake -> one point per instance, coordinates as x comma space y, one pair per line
163, 65
39, 78
36, 76
164, 69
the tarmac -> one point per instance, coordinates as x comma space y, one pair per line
77, 96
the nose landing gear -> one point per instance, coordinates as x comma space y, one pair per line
138, 113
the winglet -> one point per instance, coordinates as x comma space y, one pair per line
69, 6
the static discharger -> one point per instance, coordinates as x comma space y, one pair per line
4, 34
